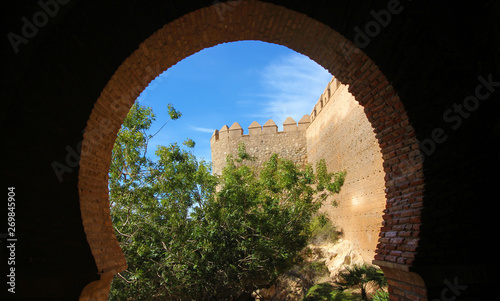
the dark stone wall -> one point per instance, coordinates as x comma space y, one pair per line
432, 53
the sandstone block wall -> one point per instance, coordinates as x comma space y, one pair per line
261, 142
338, 131
341, 134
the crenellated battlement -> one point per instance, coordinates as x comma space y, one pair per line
261, 141
255, 129
270, 127
328, 94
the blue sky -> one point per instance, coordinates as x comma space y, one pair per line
233, 82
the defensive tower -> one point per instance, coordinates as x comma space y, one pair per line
338, 131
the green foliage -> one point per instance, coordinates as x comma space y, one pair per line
380, 295
327, 292
309, 272
322, 230
188, 235
362, 276
331, 182
317, 268
150, 208
173, 113
242, 153
189, 143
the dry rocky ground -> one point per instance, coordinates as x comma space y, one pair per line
323, 263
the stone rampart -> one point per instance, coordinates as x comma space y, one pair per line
341, 134
261, 142
338, 131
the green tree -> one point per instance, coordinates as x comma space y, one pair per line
150, 205
362, 276
188, 235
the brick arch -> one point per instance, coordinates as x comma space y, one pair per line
255, 20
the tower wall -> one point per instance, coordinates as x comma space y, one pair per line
341, 134
260, 142
338, 131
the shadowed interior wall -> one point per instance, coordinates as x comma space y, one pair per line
416, 77
205, 28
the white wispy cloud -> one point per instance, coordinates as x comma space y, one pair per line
202, 129
292, 86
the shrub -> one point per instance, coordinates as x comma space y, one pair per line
322, 230
362, 277
327, 292
381, 295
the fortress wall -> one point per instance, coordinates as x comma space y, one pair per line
338, 131
260, 142
341, 134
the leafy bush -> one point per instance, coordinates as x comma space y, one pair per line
362, 277
323, 231
327, 292
190, 235
381, 295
